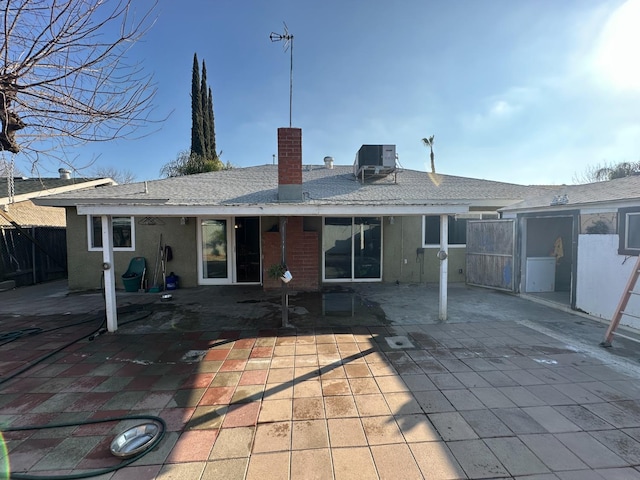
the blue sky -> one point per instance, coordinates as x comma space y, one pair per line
517, 91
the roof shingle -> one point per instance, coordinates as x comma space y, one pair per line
321, 186
622, 189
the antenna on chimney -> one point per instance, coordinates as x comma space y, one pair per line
288, 41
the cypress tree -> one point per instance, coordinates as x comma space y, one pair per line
203, 156
212, 130
205, 113
197, 132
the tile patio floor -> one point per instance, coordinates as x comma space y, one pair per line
491, 399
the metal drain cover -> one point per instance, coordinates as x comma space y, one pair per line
399, 342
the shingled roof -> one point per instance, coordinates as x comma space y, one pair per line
321, 186
26, 188
20, 208
566, 196
26, 214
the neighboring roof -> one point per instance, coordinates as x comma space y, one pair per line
621, 190
26, 214
26, 188
322, 187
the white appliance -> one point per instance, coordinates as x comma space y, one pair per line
540, 274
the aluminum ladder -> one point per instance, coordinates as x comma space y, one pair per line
622, 304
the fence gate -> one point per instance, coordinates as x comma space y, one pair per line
28, 263
491, 253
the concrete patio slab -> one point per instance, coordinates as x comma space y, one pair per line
504, 389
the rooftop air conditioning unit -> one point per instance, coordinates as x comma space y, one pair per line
375, 160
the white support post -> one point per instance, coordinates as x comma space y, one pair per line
109, 274
444, 265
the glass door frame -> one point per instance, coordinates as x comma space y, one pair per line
232, 274
353, 278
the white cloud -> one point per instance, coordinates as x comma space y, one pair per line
500, 108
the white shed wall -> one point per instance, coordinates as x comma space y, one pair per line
601, 277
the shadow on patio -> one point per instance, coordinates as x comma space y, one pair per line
481, 398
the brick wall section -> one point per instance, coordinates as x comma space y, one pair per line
289, 156
302, 256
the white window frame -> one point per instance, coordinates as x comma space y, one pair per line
231, 253
467, 216
627, 247
90, 238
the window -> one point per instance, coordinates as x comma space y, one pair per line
629, 230
457, 228
123, 233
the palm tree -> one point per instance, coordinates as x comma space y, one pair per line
428, 142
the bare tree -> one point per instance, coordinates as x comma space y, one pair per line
7, 169
120, 176
64, 76
589, 175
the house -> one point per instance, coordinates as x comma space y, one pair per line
578, 245
32, 237
370, 222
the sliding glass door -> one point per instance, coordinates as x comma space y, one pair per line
352, 248
367, 248
247, 239
229, 250
214, 244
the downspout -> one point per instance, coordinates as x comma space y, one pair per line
444, 265
109, 274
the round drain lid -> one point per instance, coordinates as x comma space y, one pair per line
135, 440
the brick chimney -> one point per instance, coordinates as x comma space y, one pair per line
289, 164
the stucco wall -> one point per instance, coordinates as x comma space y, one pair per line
401, 240
85, 267
602, 276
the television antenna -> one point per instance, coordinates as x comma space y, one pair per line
288, 45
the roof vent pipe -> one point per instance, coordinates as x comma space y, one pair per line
64, 173
328, 162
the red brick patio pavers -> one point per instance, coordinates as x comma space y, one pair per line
242, 415
192, 446
253, 377
233, 365
217, 396
337, 404
217, 354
